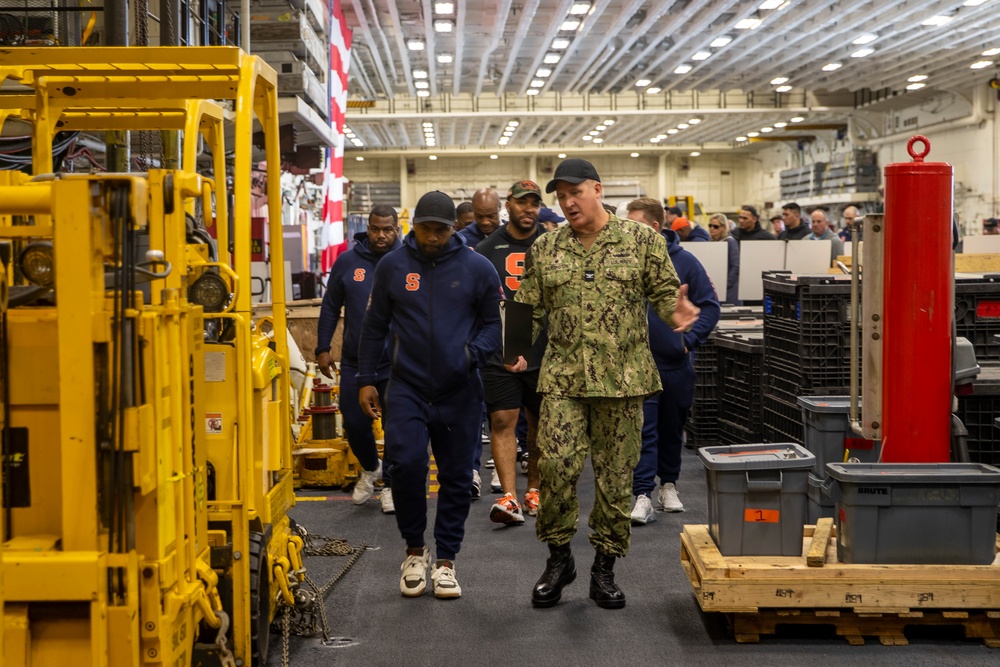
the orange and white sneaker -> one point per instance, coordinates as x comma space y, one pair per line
531, 502
507, 511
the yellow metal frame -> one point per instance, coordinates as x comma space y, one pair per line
172, 88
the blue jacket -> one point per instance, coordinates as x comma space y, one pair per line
667, 345
698, 234
444, 315
471, 235
348, 287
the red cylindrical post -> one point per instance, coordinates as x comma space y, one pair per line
918, 307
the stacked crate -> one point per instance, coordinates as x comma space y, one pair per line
977, 313
978, 412
850, 172
740, 385
806, 346
293, 40
703, 423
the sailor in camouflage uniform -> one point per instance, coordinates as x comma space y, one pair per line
592, 279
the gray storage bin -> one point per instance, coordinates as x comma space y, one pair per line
916, 513
821, 505
757, 497
828, 433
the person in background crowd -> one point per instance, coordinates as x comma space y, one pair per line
665, 413
777, 225
464, 216
486, 209
748, 226
688, 231
718, 229
441, 303
791, 213
850, 213
591, 281
670, 214
821, 232
549, 219
348, 289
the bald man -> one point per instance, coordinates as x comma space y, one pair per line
850, 213
821, 232
486, 208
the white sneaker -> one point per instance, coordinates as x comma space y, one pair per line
365, 487
669, 500
413, 582
495, 485
643, 512
388, 507
477, 485
489, 463
444, 581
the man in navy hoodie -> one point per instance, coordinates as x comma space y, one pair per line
664, 414
348, 288
441, 302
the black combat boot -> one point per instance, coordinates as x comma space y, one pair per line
603, 590
559, 571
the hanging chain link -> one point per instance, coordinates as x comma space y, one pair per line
142, 39
307, 617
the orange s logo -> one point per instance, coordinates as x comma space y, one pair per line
412, 282
515, 267
359, 275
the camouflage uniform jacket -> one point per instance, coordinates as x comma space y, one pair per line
595, 302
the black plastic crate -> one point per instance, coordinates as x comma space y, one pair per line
740, 373
978, 411
977, 313
731, 433
782, 421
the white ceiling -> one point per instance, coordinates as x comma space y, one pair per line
498, 47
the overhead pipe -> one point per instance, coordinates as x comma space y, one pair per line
977, 116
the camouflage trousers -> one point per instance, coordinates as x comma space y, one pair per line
610, 430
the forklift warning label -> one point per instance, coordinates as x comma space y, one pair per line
213, 423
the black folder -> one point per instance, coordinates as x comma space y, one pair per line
515, 320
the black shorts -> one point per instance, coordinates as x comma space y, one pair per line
504, 390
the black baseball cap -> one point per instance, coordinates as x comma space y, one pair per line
435, 206
573, 170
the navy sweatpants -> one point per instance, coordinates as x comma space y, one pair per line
358, 425
452, 426
663, 418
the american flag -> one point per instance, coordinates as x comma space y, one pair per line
332, 241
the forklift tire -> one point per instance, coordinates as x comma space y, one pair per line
260, 600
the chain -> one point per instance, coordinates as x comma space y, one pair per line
301, 618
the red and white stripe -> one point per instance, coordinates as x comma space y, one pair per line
332, 239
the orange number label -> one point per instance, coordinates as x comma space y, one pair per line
514, 267
761, 516
412, 282
359, 275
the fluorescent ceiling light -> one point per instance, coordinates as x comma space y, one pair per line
514, 123
533, 91
642, 83
781, 123
508, 133
427, 123
588, 138
598, 140
359, 159
543, 72
865, 38
594, 133
694, 121
991, 52
938, 20
915, 86
753, 134
579, 8
765, 130
917, 77
719, 42
419, 74
431, 142
415, 44
702, 55
444, 7
770, 4
747, 24
653, 91
445, 58
494, 156
682, 126
358, 143
551, 58
537, 83
683, 69
832, 67
981, 64
861, 53
741, 138
673, 130
423, 93
973, 3
654, 140
661, 136
783, 89
633, 155
432, 157
560, 43
695, 153
569, 25
797, 119
778, 80
609, 122
503, 141
444, 26
422, 84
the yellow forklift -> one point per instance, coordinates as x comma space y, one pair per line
152, 414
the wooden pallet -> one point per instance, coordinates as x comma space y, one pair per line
760, 592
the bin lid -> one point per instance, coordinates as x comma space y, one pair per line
837, 404
766, 456
916, 473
